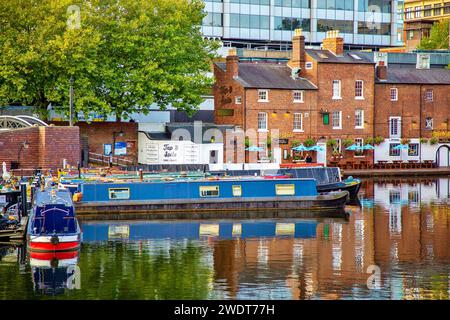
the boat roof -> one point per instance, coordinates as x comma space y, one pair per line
61, 197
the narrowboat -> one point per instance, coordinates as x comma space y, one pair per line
52, 225
328, 178
212, 195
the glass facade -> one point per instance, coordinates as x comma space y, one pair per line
335, 4
324, 25
292, 24
361, 22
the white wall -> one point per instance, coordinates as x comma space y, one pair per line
426, 151
175, 152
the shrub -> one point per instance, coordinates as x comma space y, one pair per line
423, 140
331, 143
309, 142
405, 141
433, 140
378, 140
370, 140
295, 143
347, 142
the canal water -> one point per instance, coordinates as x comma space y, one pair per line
394, 246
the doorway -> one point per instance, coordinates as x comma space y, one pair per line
443, 156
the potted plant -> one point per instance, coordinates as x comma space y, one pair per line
433, 140
247, 142
309, 142
295, 143
370, 140
378, 140
347, 142
423, 140
405, 141
331, 143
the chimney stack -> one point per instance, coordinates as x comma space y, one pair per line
298, 51
381, 71
232, 63
334, 42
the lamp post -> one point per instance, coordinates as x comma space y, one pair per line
23, 145
71, 102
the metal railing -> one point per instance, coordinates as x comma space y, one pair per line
106, 160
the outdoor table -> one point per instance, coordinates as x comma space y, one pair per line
397, 163
428, 163
382, 163
413, 163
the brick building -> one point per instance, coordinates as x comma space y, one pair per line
413, 107
325, 95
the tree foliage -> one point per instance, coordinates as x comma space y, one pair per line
438, 38
125, 55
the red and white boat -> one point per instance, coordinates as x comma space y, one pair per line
52, 225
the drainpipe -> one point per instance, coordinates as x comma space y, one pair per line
420, 125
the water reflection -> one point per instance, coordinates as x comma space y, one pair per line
402, 227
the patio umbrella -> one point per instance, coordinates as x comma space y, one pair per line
353, 147
300, 148
254, 148
368, 147
316, 148
401, 146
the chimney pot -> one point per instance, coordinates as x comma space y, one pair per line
333, 42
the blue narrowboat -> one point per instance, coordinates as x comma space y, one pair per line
52, 225
214, 194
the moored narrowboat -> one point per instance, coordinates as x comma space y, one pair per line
53, 226
220, 194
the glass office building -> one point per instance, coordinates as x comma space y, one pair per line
366, 23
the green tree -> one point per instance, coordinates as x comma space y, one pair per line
124, 56
438, 38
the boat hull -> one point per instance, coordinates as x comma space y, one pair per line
328, 202
56, 243
352, 188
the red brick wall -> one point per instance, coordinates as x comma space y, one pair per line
48, 146
100, 133
408, 106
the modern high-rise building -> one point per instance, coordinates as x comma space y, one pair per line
363, 23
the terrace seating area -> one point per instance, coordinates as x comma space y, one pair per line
357, 164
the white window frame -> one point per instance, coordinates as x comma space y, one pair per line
294, 93
340, 89
261, 92
260, 121
238, 100
431, 97
391, 91
295, 121
429, 123
308, 65
399, 127
340, 120
362, 118
263, 146
361, 97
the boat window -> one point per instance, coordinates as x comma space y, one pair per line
285, 189
209, 191
119, 193
237, 191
